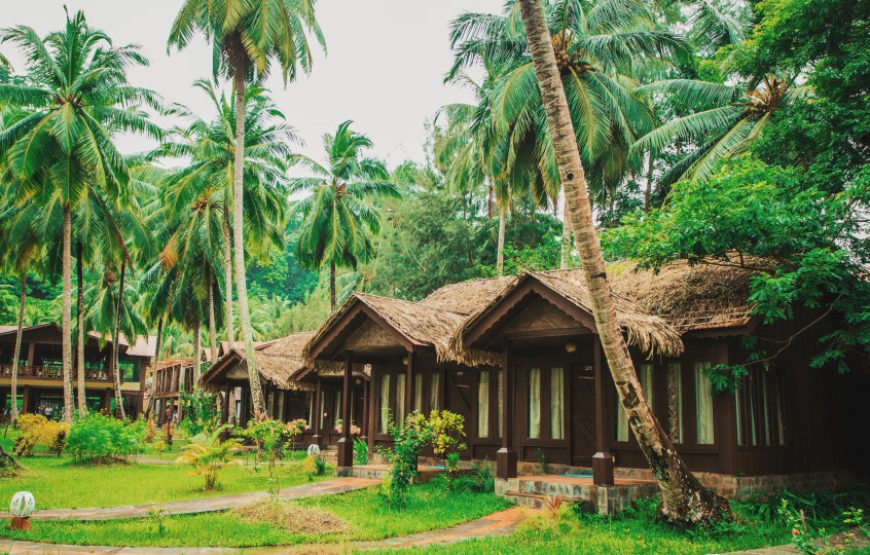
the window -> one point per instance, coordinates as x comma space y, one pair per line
337, 414
400, 399
646, 383
280, 412
483, 404
386, 398
675, 402
499, 376
418, 392
535, 403
309, 401
703, 404
621, 420
557, 403
434, 391
758, 407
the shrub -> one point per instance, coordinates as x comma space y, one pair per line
272, 438
208, 455
360, 451
37, 430
315, 465
408, 439
200, 412
102, 439
446, 432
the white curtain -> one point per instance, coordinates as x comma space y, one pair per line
646, 383
621, 420
483, 404
703, 404
499, 376
418, 392
557, 403
400, 399
385, 404
435, 382
279, 414
535, 403
675, 402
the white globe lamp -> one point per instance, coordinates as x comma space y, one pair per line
313, 450
22, 506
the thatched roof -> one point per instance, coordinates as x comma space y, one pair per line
277, 361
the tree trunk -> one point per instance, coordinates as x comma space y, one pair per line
197, 353
153, 388
333, 301
80, 320
212, 330
16, 355
490, 199
499, 259
257, 401
566, 237
228, 279
647, 193
66, 317
116, 372
684, 499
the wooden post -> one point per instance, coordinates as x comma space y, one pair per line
31, 352
317, 414
602, 460
409, 384
25, 405
345, 444
506, 457
363, 425
373, 417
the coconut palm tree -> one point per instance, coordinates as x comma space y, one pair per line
684, 499
77, 95
726, 120
247, 36
341, 213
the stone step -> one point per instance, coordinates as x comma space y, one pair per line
566, 490
534, 500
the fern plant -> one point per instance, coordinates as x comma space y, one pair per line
208, 455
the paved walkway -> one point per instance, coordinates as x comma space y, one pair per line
205, 505
496, 524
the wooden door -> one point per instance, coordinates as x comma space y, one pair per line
582, 414
459, 394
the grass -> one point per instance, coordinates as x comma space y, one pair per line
364, 510
64, 483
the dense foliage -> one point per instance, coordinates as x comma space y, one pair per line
102, 439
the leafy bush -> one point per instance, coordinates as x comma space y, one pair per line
200, 412
315, 465
102, 439
408, 439
208, 455
479, 480
272, 438
360, 451
446, 432
37, 430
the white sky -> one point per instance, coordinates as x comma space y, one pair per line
384, 65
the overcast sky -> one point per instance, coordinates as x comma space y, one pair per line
383, 68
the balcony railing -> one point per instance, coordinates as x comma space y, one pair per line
53, 372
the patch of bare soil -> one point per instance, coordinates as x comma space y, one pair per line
294, 518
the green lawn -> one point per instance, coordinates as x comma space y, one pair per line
364, 510
63, 483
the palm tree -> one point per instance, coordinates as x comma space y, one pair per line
684, 499
77, 95
247, 35
726, 121
341, 214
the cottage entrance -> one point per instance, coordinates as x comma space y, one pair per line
582, 414
458, 392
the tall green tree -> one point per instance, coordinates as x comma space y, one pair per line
341, 212
684, 499
77, 95
247, 36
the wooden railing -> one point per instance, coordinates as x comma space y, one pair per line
53, 372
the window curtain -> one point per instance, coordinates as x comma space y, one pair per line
646, 383
621, 420
535, 403
557, 403
279, 413
384, 426
675, 402
435, 381
483, 404
337, 414
418, 392
499, 376
400, 399
703, 404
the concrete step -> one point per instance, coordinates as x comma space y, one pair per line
566, 490
535, 501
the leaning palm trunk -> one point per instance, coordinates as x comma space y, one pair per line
80, 321
228, 279
684, 499
152, 390
116, 371
566, 237
257, 401
333, 297
502, 222
66, 317
197, 353
13, 378
212, 332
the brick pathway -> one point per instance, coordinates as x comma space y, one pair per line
496, 524
206, 505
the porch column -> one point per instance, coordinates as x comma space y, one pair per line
107, 393
317, 414
602, 460
409, 384
372, 420
25, 405
31, 352
506, 457
345, 444
225, 413
363, 425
